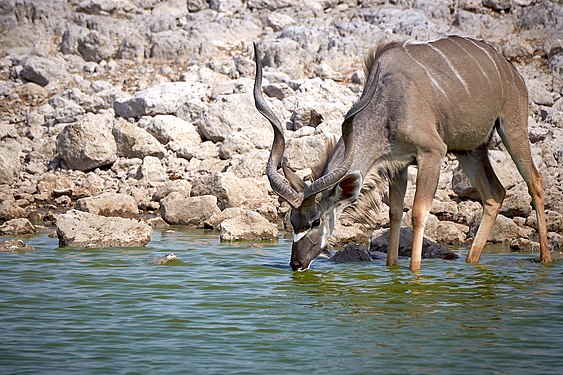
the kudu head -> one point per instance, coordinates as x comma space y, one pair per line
314, 206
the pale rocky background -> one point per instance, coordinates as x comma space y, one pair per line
143, 110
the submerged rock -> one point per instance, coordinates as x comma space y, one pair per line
163, 260
430, 249
15, 245
351, 253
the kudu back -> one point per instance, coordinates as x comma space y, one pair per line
420, 102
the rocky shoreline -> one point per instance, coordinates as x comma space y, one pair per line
142, 111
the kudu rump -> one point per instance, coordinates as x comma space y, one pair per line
420, 101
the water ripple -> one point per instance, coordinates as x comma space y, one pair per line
230, 309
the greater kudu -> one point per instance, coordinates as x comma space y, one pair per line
420, 101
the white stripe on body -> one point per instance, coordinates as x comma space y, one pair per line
451, 66
434, 82
483, 72
494, 63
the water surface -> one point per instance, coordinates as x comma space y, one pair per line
240, 310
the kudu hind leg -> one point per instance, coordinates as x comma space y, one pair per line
397, 190
536, 192
478, 169
518, 147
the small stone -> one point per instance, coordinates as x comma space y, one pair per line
164, 260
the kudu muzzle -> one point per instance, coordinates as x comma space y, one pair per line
304, 251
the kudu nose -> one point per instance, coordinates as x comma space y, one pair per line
296, 265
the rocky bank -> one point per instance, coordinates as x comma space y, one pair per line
143, 110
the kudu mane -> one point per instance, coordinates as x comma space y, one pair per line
374, 54
319, 168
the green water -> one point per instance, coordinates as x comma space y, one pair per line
232, 309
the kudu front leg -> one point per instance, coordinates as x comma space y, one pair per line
397, 190
426, 185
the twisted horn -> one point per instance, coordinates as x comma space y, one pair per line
280, 185
330, 179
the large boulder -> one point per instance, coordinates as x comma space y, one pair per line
517, 203
466, 210
83, 229
179, 209
95, 46
152, 170
173, 132
17, 227
42, 70
109, 204
445, 232
305, 152
135, 142
248, 226
10, 210
87, 144
203, 151
236, 113
228, 213
163, 99
54, 184
180, 186
461, 185
232, 191
9, 165
250, 164
234, 145
554, 221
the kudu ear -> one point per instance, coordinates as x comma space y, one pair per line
347, 189
294, 180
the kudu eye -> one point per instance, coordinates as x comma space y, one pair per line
316, 223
